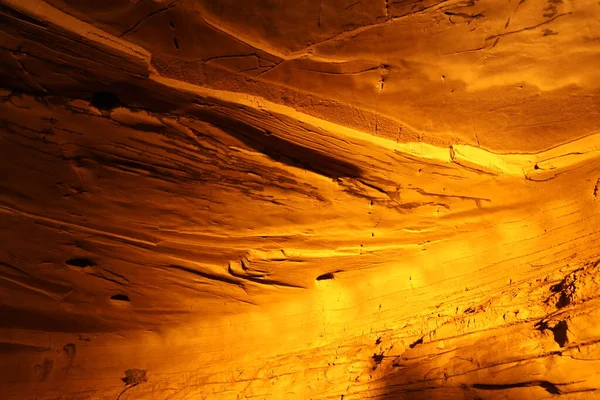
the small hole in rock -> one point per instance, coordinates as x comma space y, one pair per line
172, 24
176, 43
413, 345
120, 297
80, 262
326, 276
135, 376
560, 333
105, 100
378, 358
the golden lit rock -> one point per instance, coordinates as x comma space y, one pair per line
327, 199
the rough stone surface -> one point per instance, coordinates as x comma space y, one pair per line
328, 199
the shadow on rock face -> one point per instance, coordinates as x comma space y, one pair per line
429, 392
261, 137
281, 150
399, 388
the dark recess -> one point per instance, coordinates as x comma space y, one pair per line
547, 386
420, 341
563, 299
377, 358
105, 100
80, 262
326, 276
120, 297
559, 331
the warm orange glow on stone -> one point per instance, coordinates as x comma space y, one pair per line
322, 200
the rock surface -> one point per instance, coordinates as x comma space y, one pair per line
325, 199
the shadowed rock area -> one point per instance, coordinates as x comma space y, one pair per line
329, 199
